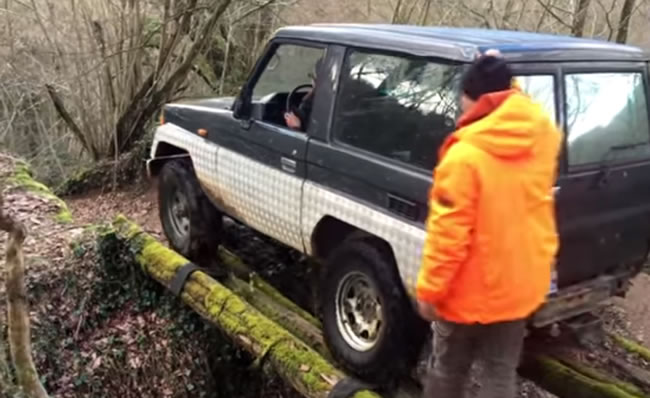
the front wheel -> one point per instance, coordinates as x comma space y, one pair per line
369, 324
190, 222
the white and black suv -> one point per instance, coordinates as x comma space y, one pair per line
350, 186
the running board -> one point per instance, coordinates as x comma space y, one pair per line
580, 299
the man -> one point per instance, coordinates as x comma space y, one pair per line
491, 233
299, 119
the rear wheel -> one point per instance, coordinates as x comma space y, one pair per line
369, 324
190, 222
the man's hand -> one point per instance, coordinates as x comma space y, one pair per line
427, 311
292, 121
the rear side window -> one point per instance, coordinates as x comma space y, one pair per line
607, 118
398, 107
540, 88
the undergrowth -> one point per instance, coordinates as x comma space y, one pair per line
104, 329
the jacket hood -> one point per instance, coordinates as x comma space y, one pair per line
506, 124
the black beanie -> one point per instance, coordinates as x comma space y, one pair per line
486, 75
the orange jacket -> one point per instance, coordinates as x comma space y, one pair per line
491, 234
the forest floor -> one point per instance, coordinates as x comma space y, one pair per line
94, 331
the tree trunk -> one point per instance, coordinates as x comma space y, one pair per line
624, 22
580, 17
18, 312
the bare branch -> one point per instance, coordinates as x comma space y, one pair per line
624, 22
57, 101
550, 12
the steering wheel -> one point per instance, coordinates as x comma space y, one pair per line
293, 93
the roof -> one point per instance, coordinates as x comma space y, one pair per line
461, 44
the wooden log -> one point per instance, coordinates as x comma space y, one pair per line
298, 364
243, 271
20, 344
571, 380
632, 347
267, 305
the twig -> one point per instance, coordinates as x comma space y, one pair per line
81, 317
554, 15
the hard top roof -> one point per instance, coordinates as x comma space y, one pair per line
461, 44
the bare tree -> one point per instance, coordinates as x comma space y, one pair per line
580, 17
624, 22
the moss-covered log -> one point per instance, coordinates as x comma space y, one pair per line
301, 366
632, 347
570, 379
268, 306
243, 271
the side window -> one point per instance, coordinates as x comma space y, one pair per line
291, 66
397, 107
541, 89
607, 118
288, 79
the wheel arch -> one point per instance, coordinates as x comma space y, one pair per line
163, 152
331, 232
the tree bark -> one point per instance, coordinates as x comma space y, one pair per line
624, 22
580, 17
18, 311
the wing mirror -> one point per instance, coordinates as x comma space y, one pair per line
241, 109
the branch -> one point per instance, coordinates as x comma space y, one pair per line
253, 11
553, 14
624, 23
69, 121
18, 312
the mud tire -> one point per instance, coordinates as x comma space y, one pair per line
200, 240
402, 332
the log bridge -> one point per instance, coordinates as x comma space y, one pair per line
289, 340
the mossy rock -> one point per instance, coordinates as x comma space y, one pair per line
107, 174
23, 178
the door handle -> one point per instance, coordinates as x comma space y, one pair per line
556, 190
288, 165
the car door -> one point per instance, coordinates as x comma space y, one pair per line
603, 203
262, 170
372, 167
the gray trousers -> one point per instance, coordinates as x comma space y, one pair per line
456, 347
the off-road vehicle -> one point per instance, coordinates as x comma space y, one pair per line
349, 186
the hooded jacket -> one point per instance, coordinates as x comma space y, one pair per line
491, 234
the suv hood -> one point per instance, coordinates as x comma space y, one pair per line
214, 103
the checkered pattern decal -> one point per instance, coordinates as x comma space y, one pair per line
406, 240
269, 200
264, 198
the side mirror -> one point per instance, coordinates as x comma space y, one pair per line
242, 107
